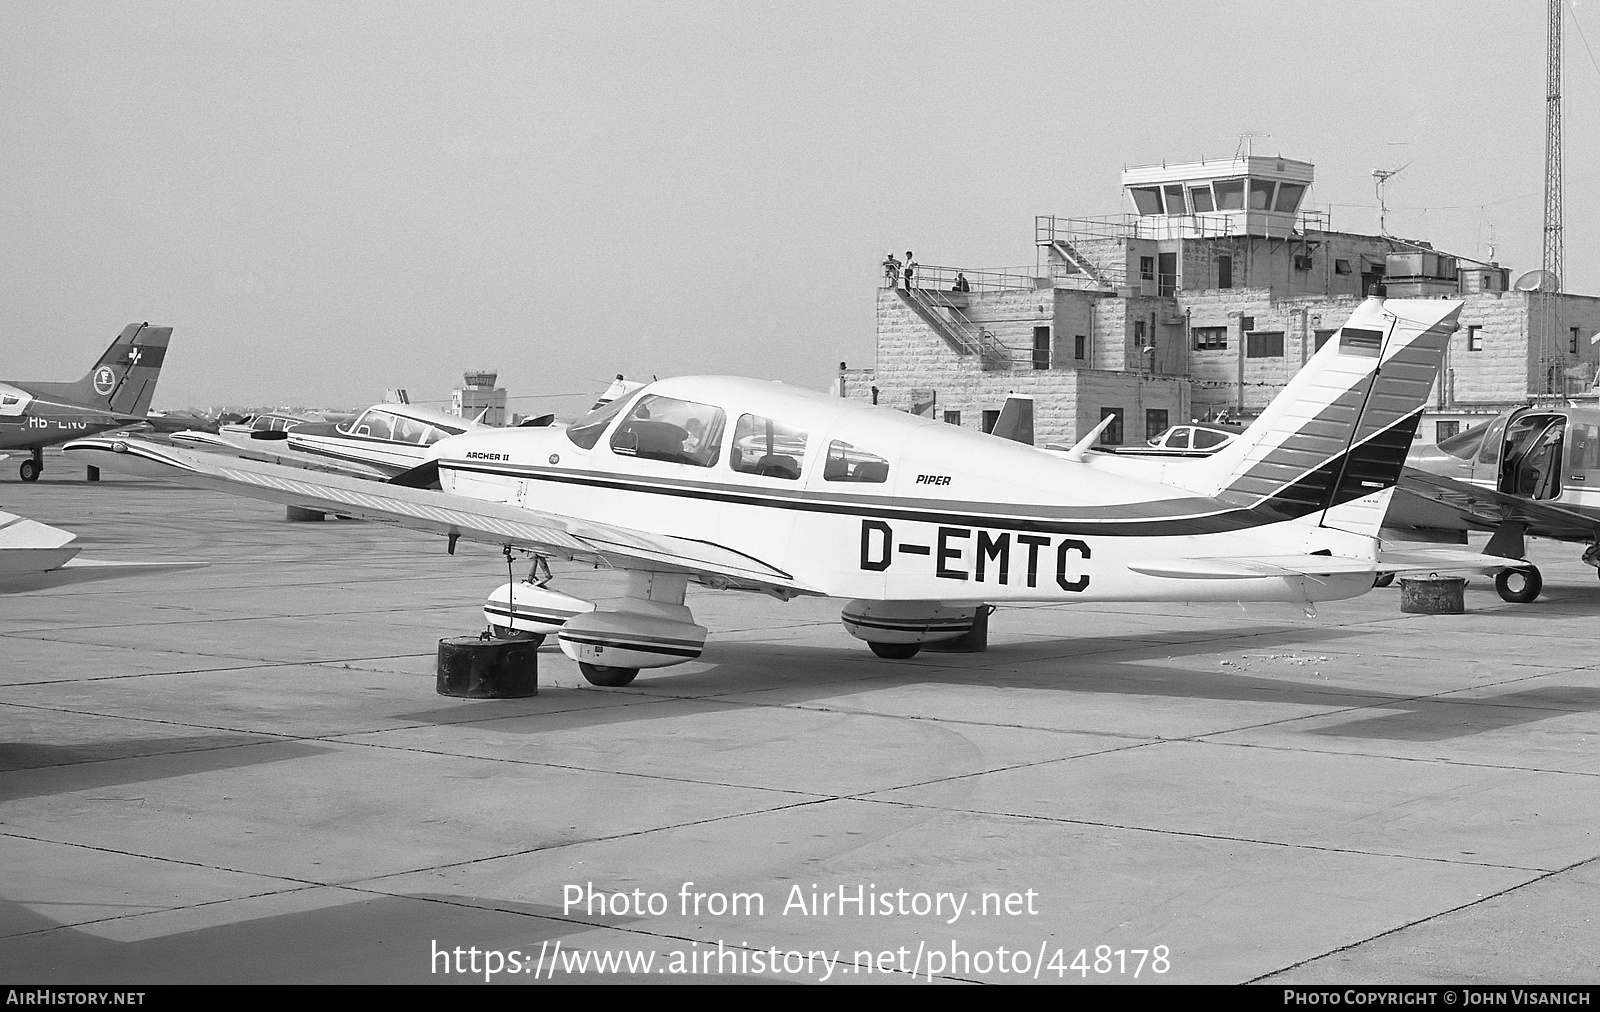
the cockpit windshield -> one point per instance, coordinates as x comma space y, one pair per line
586, 430
1465, 444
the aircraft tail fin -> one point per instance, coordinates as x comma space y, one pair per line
124, 378
1333, 443
1016, 419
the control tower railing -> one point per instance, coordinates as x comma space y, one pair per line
948, 279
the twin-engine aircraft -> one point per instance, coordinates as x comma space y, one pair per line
114, 394
749, 485
1533, 471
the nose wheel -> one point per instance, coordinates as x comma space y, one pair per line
30, 470
1519, 586
611, 678
895, 651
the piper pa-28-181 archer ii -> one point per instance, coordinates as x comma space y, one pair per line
114, 394
753, 485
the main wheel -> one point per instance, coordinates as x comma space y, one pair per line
1519, 586
30, 470
895, 651
505, 632
611, 678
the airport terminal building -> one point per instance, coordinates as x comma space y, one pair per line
1201, 301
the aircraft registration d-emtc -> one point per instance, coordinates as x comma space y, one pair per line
752, 485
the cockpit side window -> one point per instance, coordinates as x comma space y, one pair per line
378, 425
665, 428
768, 448
409, 430
846, 463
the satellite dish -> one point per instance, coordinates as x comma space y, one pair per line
1534, 281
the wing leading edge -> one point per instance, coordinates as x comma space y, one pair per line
437, 512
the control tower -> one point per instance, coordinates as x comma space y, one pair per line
480, 396
1249, 195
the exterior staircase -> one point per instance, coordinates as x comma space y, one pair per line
1074, 258
943, 312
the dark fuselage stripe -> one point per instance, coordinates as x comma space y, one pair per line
1228, 520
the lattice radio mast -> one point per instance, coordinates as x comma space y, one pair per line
1551, 281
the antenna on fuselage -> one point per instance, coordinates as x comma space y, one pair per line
1080, 449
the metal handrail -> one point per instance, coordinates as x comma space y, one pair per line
1047, 227
986, 280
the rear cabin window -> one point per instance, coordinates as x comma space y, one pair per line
766, 447
665, 428
846, 463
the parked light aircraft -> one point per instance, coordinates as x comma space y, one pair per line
752, 485
1533, 471
389, 438
115, 393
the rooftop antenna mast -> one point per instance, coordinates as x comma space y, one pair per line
1380, 177
1243, 149
1549, 297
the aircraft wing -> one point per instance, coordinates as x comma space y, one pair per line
1474, 507
438, 512
272, 452
1255, 567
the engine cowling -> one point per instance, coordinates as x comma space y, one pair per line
907, 621
529, 608
622, 639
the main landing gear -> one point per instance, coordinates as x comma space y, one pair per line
1519, 586
32, 467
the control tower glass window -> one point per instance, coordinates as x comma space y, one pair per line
1230, 194
1261, 194
1146, 199
1289, 195
1200, 199
1175, 200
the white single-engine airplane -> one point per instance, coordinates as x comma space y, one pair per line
753, 485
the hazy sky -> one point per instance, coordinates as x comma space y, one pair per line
328, 199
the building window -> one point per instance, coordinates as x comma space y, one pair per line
953, 417
1210, 338
1112, 436
1321, 338
1155, 423
1138, 333
1342, 267
1572, 341
1041, 347
1444, 430
1230, 194
1264, 344
1146, 199
1474, 338
1147, 268
1080, 347
1246, 324
990, 419
1200, 199
1224, 272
